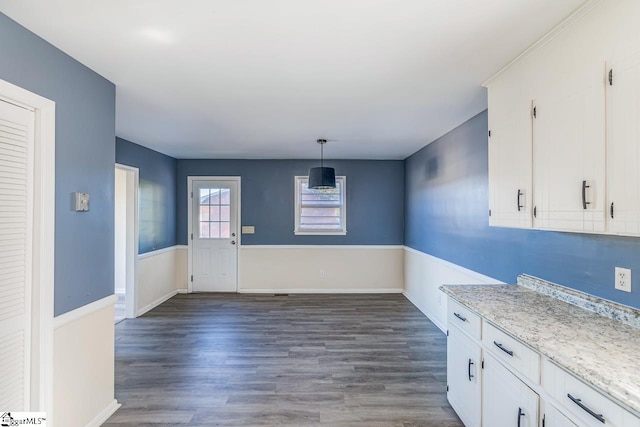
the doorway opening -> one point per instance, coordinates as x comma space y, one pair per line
125, 241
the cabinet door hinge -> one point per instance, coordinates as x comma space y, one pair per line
489, 212
535, 211
535, 112
611, 77
482, 364
192, 277
544, 420
489, 134
447, 332
191, 236
447, 387
192, 194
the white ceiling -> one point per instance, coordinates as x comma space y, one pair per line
265, 78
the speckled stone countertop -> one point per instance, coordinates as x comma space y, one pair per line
601, 351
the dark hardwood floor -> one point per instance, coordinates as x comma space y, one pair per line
299, 360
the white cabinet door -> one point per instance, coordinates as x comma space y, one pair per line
463, 376
506, 401
510, 195
554, 418
623, 145
569, 150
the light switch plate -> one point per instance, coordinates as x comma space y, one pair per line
248, 229
82, 202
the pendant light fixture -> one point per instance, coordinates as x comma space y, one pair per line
322, 178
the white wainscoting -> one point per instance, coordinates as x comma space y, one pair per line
83, 360
157, 278
182, 268
297, 269
424, 274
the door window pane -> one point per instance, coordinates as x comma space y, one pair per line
215, 213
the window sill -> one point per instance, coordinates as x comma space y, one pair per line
320, 233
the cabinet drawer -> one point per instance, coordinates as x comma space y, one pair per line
464, 319
512, 352
585, 406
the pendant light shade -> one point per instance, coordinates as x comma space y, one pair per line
322, 178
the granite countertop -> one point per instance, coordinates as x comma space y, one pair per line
601, 351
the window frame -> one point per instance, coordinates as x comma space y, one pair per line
319, 232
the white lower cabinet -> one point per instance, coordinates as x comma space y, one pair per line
464, 376
506, 401
552, 417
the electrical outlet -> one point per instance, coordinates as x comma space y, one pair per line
623, 279
321, 273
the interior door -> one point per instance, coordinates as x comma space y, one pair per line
16, 229
214, 235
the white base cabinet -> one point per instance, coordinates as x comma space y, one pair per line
507, 401
496, 380
463, 376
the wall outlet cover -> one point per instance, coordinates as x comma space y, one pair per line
623, 279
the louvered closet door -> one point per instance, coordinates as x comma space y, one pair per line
16, 219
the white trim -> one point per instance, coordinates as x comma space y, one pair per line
190, 180
296, 210
157, 252
43, 235
323, 291
104, 415
182, 247
183, 291
157, 302
333, 247
478, 276
132, 238
563, 26
85, 310
430, 316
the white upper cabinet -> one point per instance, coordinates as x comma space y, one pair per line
623, 144
569, 150
510, 191
565, 141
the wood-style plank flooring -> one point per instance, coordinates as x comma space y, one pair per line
299, 360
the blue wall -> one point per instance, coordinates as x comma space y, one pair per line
85, 131
375, 199
156, 197
446, 215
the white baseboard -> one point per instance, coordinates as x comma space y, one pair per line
434, 319
156, 303
322, 291
104, 415
183, 291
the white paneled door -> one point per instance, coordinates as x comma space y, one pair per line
16, 235
214, 235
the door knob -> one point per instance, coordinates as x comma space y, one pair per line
233, 242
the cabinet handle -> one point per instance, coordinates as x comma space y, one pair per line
611, 210
584, 195
509, 352
469, 369
464, 319
520, 193
578, 402
520, 414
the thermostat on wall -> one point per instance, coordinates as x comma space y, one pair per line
82, 202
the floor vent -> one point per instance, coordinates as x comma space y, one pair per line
280, 295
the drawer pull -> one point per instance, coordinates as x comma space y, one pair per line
520, 414
464, 319
578, 402
469, 369
500, 346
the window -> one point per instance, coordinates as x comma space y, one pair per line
215, 210
321, 211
